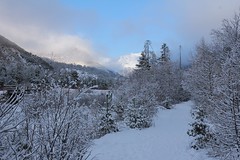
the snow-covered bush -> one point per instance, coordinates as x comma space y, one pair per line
135, 102
10, 123
64, 130
53, 126
200, 130
107, 122
138, 115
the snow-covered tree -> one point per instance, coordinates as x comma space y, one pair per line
107, 122
214, 83
143, 62
200, 82
135, 100
225, 116
148, 57
150, 84
165, 53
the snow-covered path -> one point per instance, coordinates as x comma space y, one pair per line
167, 140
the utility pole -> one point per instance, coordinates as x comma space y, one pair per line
180, 58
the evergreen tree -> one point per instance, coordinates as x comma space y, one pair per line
165, 53
107, 123
148, 57
143, 62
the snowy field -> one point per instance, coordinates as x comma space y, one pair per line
166, 140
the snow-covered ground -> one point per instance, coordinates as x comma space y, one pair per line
166, 140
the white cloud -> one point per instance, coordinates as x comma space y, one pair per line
194, 18
61, 47
40, 27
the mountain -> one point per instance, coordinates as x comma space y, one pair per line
11, 52
19, 66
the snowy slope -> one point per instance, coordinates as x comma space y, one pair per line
167, 140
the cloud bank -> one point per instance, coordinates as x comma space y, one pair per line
192, 19
43, 27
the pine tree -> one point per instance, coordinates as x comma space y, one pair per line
107, 122
138, 116
148, 57
143, 62
165, 53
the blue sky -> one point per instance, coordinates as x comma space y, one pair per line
116, 24
123, 26
110, 33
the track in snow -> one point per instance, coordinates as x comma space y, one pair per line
166, 140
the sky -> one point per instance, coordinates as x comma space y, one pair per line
111, 33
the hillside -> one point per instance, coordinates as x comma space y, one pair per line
19, 66
11, 53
